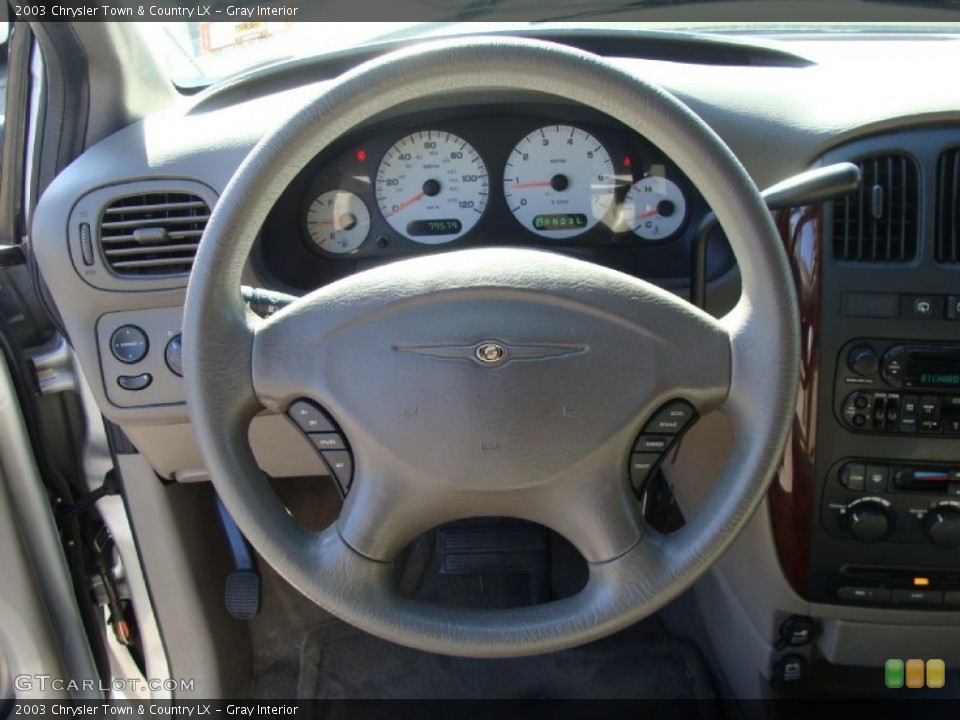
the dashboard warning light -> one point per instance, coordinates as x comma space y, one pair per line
361, 155
627, 162
921, 581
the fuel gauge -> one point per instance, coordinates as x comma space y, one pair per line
338, 221
654, 208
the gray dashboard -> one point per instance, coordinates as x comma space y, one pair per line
778, 120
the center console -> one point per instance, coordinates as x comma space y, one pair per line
874, 476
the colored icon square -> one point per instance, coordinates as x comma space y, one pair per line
915, 673
936, 673
893, 673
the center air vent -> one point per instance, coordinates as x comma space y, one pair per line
948, 207
153, 234
879, 224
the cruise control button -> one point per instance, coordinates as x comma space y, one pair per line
652, 443
310, 418
327, 441
341, 465
135, 382
671, 418
129, 344
641, 465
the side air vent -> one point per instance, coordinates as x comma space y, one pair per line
948, 207
879, 223
153, 234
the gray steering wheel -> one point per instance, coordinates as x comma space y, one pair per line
625, 348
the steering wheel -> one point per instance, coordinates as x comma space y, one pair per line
441, 436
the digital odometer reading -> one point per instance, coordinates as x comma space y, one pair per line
434, 227
560, 221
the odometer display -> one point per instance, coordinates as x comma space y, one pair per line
568, 221
418, 228
432, 187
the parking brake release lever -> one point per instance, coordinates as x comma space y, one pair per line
807, 188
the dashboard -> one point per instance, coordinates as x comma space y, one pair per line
550, 176
454, 173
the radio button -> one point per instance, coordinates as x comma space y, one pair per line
863, 360
929, 407
909, 409
892, 367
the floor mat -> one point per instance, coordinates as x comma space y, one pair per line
338, 662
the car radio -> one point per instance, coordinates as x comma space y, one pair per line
887, 386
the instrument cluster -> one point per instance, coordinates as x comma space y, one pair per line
563, 178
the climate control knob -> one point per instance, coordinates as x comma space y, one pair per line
942, 524
869, 521
863, 361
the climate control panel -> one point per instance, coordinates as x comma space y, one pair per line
872, 501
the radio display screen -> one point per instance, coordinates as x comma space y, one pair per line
933, 370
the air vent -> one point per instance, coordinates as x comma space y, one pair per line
948, 207
153, 234
879, 223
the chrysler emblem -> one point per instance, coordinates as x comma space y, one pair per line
493, 353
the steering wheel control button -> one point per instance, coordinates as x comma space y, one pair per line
327, 441
340, 463
135, 382
641, 466
173, 355
310, 418
652, 443
671, 419
129, 344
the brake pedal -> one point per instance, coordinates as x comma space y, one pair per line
242, 593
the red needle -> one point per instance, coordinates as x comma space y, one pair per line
518, 186
322, 222
407, 203
648, 213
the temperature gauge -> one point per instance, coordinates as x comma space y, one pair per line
338, 221
654, 208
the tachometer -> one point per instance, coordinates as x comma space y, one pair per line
559, 181
432, 187
338, 221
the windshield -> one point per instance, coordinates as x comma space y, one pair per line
201, 53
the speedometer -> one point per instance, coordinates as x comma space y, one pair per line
559, 181
432, 187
